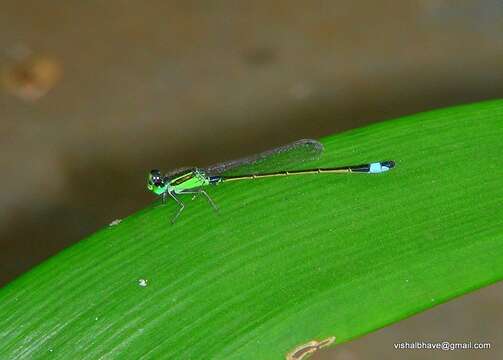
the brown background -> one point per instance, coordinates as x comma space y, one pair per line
136, 85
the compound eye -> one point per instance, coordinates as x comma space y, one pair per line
155, 178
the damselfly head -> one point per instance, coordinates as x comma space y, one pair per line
156, 182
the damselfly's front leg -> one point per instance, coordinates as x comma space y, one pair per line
179, 202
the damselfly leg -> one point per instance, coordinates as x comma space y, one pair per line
201, 191
180, 203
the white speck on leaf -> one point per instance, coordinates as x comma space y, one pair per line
143, 282
115, 222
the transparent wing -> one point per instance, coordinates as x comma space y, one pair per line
286, 157
173, 173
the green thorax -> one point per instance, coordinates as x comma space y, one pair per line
187, 180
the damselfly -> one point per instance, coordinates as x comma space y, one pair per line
271, 163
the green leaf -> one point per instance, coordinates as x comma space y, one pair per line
287, 260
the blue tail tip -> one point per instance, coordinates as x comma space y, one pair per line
380, 167
390, 164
